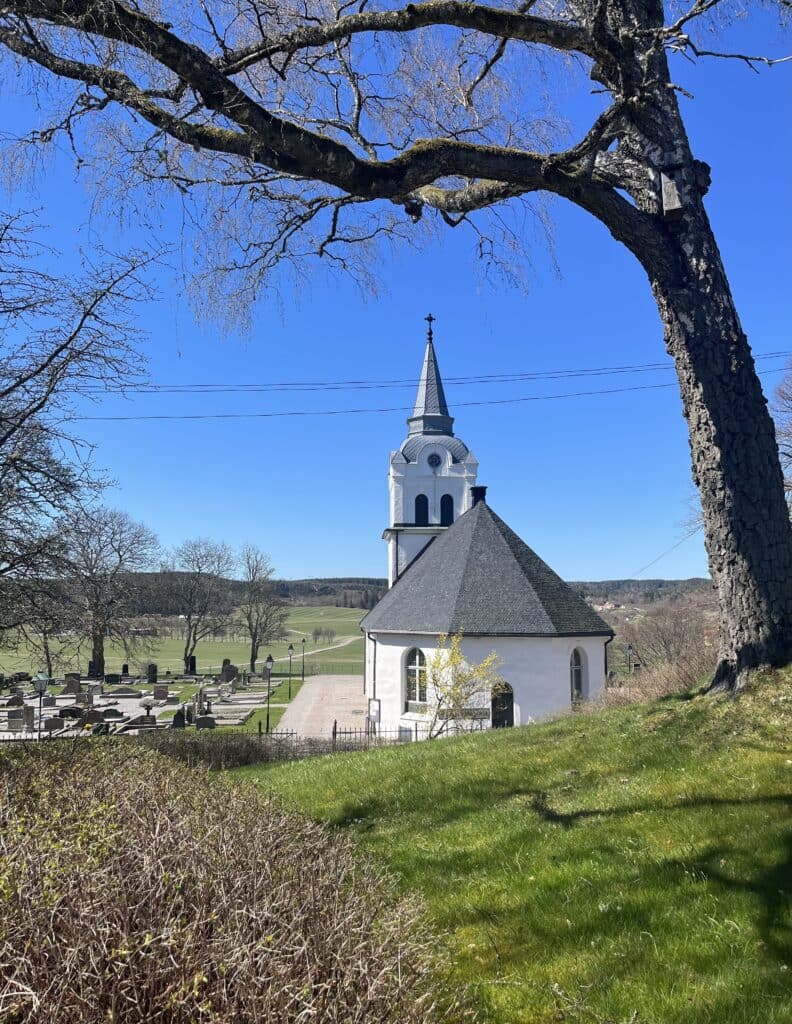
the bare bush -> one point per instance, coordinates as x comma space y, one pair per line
134, 890
663, 679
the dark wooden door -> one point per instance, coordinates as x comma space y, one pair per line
503, 707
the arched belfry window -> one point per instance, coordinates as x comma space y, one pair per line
415, 678
446, 510
576, 675
421, 510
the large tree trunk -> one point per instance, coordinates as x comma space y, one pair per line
97, 652
734, 455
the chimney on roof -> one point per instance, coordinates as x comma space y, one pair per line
478, 494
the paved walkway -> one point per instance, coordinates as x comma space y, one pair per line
323, 699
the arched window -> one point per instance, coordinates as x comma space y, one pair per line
446, 510
576, 675
421, 510
415, 679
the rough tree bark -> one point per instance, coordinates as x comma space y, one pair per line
633, 170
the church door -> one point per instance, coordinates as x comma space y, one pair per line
503, 707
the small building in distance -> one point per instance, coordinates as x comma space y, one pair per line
455, 567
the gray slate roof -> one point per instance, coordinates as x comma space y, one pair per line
430, 414
479, 578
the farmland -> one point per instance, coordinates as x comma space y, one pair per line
344, 654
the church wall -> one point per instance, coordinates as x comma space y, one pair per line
408, 480
537, 669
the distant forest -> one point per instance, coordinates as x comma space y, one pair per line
153, 593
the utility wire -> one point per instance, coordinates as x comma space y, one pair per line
384, 409
397, 383
668, 551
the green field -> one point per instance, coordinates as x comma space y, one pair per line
167, 653
632, 865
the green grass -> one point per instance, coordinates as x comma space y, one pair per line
630, 865
167, 652
252, 724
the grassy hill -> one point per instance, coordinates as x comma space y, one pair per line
633, 865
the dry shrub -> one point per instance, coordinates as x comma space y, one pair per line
663, 679
226, 748
134, 889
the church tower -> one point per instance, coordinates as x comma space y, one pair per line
430, 475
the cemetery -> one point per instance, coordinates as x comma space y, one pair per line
123, 704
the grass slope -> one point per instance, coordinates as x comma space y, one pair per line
630, 865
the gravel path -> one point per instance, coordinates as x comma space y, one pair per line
323, 699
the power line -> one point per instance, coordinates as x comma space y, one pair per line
668, 551
397, 383
385, 409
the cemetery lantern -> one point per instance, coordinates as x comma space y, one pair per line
40, 686
291, 653
268, 665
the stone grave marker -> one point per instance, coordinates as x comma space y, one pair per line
191, 666
72, 682
29, 717
112, 679
125, 669
205, 722
179, 720
151, 673
48, 702
15, 701
161, 693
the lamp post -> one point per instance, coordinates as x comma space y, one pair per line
268, 666
40, 686
303, 660
291, 653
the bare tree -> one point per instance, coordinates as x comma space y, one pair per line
323, 130
202, 569
104, 548
60, 335
49, 623
263, 612
784, 427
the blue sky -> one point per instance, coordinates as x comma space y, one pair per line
599, 486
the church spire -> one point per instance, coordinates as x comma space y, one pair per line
430, 415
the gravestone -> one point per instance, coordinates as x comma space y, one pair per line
229, 672
152, 674
93, 716
205, 722
125, 669
15, 721
113, 713
95, 689
190, 714
15, 701
53, 724
161, 692
29, 717
72, 682
179, 720
48, 702
191, 666
92, 670
83, 698
112, 678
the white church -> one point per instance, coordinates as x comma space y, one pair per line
455, 567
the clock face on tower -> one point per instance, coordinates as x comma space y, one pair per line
434, 460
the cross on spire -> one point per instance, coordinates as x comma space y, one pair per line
430, 320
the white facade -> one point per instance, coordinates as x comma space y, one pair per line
435, 475
538, 670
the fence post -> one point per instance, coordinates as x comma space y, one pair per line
335, 730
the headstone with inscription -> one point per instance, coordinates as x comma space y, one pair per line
152, 674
